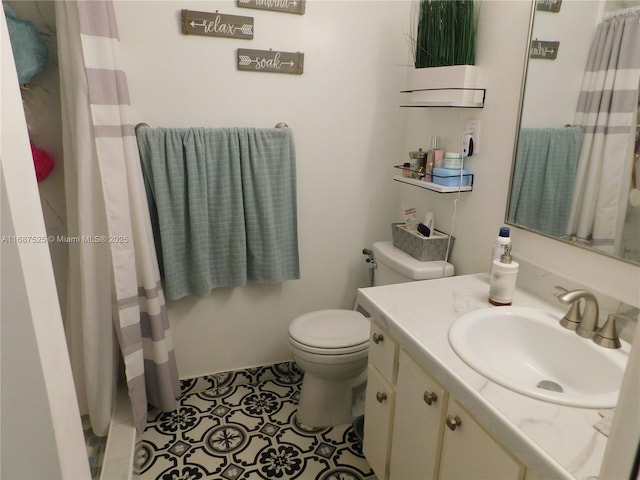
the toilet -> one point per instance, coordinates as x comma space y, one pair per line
331, 346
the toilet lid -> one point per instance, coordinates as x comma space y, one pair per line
330, 329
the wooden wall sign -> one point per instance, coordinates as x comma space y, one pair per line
285, 6
543, 50
216, 25
552, 6
270, 61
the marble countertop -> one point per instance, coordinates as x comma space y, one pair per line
553, 441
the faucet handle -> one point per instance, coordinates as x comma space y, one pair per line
573, 317
607, 336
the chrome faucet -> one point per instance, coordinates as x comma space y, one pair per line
585, 322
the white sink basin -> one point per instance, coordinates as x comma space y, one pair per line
526, 350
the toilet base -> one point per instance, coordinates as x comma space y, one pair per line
325, 402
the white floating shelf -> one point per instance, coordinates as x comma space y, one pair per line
440, 103
435, 187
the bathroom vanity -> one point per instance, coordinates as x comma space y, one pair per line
430, 415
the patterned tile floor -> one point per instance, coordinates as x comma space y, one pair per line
242, 425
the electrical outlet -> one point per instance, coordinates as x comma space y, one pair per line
473, 127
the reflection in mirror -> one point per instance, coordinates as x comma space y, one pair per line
575, 168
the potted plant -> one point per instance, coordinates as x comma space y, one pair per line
444, 47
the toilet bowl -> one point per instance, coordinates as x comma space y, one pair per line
331, 346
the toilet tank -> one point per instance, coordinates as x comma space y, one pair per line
395, 266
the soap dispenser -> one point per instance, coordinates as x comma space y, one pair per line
502, 283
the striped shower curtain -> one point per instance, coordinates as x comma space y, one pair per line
606, 111
113, 279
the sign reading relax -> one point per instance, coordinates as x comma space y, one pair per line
270, 61
216, 25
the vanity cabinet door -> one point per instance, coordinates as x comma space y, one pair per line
383, 353
417, 424
378, 422
469, 452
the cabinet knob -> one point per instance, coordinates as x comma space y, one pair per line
381, 396
378, 337
430, 397
453, 421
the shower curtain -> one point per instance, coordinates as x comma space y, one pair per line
114, 289
606, 111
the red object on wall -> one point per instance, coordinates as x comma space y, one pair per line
42, 161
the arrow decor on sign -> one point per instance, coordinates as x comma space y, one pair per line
270, 61
216, 25
284, 6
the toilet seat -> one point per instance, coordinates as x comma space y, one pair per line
330, 332
335, 352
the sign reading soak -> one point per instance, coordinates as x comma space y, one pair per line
216, 25
270, 61
543, 50
548, 5
286, 6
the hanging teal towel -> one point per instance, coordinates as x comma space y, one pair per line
543, 178
223, 206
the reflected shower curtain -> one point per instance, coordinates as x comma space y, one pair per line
113, 277
606, 110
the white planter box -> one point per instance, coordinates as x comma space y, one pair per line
456, 76
444, 86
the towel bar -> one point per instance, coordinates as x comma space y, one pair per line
141, 125
146, 125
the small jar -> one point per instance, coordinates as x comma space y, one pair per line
418, 159
452, 160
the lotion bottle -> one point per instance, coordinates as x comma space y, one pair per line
502, 283
502, 240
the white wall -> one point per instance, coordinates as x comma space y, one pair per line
349, 132
501, 46
344, 115
501, 52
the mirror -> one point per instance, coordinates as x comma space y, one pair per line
575, 171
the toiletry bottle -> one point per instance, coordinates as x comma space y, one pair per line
438, 154
502, 283
502, 240
431, 159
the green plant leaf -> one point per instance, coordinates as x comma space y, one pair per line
446, 33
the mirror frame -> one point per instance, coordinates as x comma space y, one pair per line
515, 152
